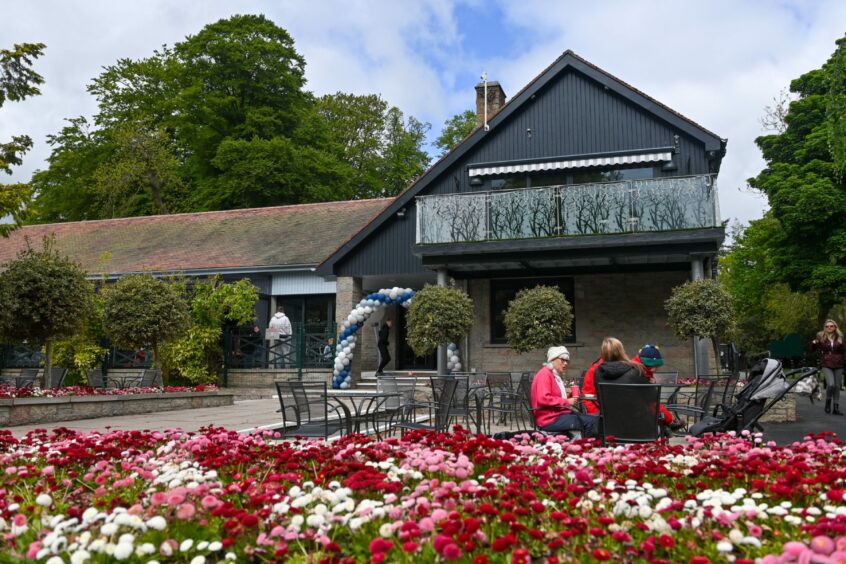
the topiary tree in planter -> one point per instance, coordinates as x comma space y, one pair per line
701, 308
144, 312
538, 318
43, 296
438, 315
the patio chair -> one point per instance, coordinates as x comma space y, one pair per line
670, 390
26, 378
629, 412
502, 400
444, 391
698, 404
394, 407
57, 377
150, 378
308, 411
95, 378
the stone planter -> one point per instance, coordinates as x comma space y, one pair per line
30, 410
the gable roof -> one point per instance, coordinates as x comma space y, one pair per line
567, 60
246, 239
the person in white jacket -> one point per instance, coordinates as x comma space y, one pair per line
281, 346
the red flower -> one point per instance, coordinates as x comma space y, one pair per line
602, 554
452, 552
500, 544
666, 541
410, 546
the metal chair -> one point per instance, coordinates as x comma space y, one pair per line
670, 390
502, 400
629, 412
444, 391
95, 378
308, 411
150, 378
698, 404
57, 377
396, 405
26, 378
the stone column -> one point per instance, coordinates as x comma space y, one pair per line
347, 295
701, 347
442, 350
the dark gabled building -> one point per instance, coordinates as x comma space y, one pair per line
579, 181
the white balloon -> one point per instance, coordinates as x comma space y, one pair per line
347, 350
346, 323
350, 339
336, 372
450, 366
454, 358
368, 310
342, 355
352, 346
345, 361
343, 342
457, 366
344, 385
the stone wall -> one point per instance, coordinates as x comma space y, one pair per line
627, 306
26, 411
264, 378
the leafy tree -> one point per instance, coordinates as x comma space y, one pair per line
383, 150
197, 354
537, 318
805, 186
438, 315
17, 82
43, 297
144, 312
455, 130
701, 308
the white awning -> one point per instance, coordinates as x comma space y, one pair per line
572, 163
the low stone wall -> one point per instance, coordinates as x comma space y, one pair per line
264, 378
782, 412
26, 411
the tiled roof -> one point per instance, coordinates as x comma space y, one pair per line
284, 235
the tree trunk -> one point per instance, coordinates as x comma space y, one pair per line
48, 366
716, 345
157, 363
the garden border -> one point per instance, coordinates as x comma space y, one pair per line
29, 410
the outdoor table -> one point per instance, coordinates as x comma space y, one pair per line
362, 401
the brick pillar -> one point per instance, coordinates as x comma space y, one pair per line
347, 295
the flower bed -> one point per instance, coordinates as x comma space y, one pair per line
220, 495
77, 391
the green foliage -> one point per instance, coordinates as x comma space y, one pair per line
43, 296
455, 130
438, 315
804, 184
17, 82
222, 120
538, 318
195, 354
143, 312
383, 151
790, 312
701, 308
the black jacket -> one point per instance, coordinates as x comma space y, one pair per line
384, 331
619, 372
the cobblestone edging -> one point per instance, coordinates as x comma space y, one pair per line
26, 411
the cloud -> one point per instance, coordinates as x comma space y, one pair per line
718, 62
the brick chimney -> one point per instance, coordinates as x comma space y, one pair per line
496, 100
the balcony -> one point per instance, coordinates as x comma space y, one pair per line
633, 206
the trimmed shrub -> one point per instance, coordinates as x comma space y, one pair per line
438, 315
538, 318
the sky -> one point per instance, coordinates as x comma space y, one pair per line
720, 62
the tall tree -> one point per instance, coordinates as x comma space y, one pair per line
805, 186
17, 82
455, 130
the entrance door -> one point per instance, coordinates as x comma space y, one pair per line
406, 359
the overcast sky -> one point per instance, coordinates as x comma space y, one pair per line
717, 62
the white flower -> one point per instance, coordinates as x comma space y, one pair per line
44, 500
186, 545
89, 515
644, 511
127, 537
725, 546
198, 560
231, 556
157, 523
356, 523
202, 545
80, 556
108, 529
123, 550
55, 560
146, 548
215, 546
315, 521
386, 530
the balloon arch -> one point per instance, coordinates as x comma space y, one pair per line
355, 321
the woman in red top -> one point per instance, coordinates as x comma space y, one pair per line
553, 409
829, 343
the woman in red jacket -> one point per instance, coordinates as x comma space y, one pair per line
553, 409
829, 343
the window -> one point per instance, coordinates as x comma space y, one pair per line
504, 290
615, 175
568, 177
314, 310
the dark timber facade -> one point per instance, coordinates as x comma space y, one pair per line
580, 181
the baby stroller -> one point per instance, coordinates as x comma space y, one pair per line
767, 385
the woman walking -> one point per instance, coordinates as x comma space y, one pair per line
829, 343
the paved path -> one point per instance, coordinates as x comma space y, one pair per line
250, 414
243, 415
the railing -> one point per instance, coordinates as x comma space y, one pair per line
21, 356
120, 358
304, 348
658, 204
